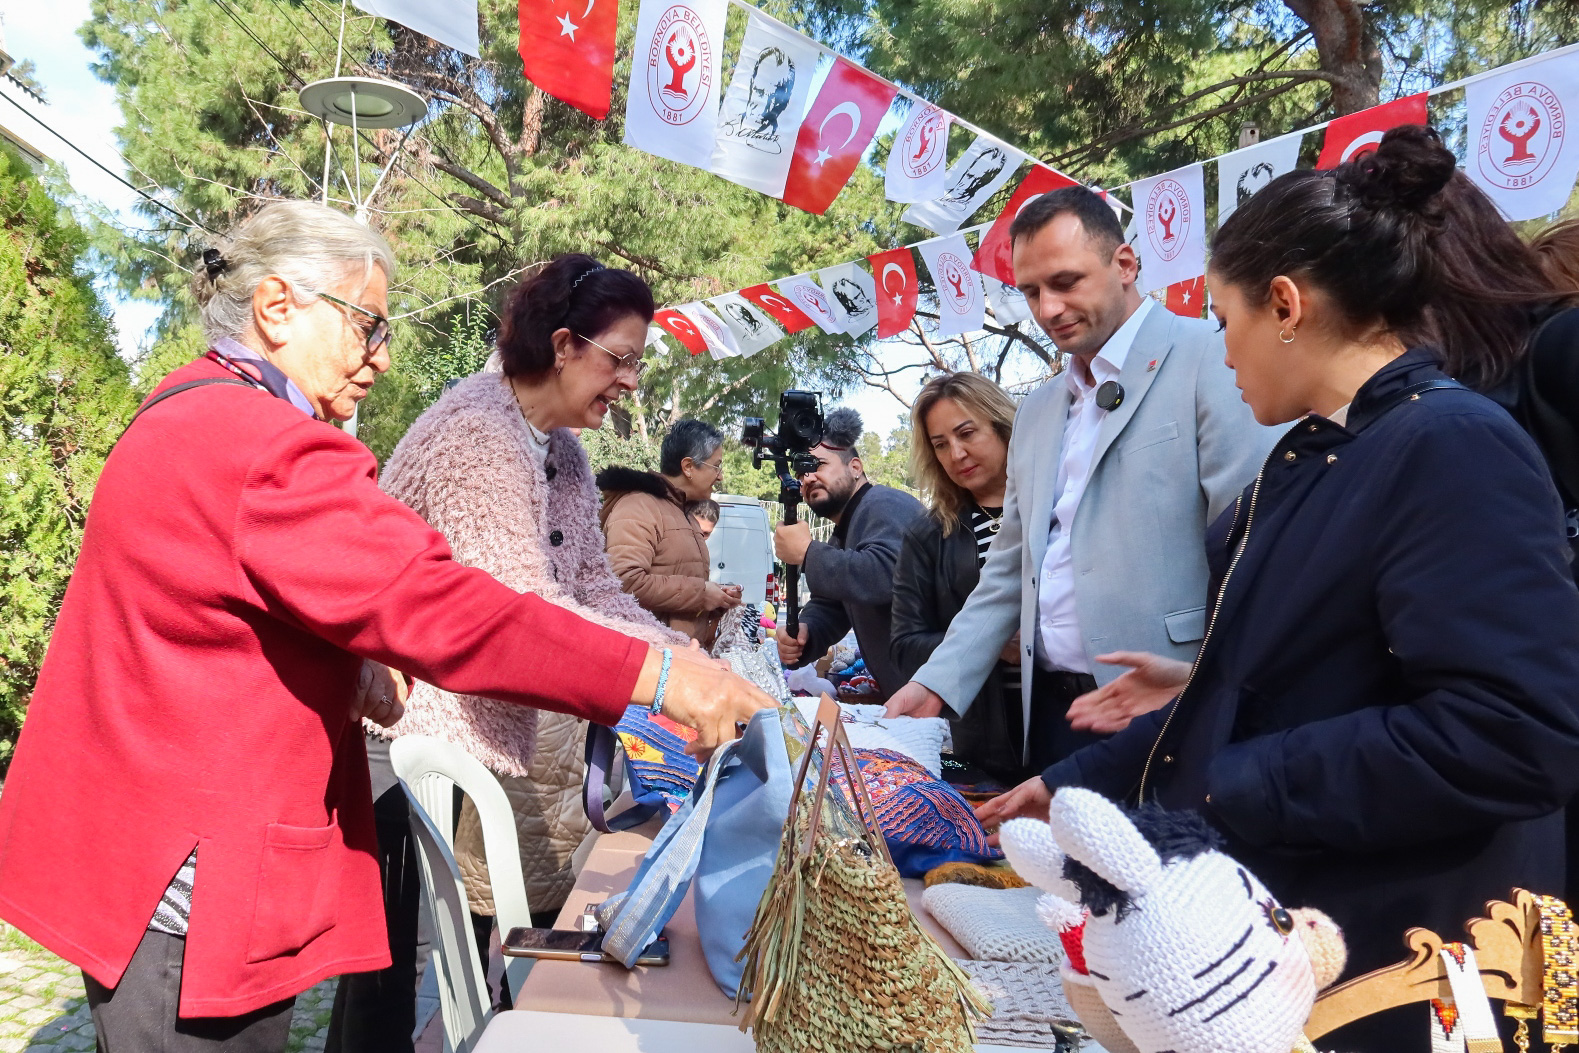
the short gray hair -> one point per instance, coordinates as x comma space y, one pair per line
310, 246
691, 438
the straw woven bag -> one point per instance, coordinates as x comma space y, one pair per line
835, 959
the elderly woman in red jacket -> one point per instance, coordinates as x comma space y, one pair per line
188, 816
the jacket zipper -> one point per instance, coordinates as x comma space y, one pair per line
1217, 606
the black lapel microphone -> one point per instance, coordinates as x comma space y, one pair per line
1110, 396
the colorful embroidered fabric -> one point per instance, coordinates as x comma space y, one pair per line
658, 768
925, 821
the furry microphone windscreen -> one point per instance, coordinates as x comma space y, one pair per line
842, 428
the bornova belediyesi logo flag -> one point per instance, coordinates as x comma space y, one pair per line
671, 109
1522, 148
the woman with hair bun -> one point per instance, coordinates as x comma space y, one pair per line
495, 466
1382, 719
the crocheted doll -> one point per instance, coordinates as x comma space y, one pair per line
1171, 945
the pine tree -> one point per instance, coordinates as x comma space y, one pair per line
65, 395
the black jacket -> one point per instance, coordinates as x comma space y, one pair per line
1385, 716
932, 582
852, 579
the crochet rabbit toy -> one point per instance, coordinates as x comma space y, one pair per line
1173, 947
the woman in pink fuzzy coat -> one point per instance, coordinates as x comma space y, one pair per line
495, 467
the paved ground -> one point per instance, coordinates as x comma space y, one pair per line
43, 1006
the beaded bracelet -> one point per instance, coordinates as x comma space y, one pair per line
663, 682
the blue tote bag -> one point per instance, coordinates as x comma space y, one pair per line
724, 839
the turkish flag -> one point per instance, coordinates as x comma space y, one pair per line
841, 122
1358, 133
994, 256
682, 329
786, 314
1188, 298
567, 47
895, 274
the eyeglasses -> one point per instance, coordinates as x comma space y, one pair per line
631, 365
377, 336
718, 469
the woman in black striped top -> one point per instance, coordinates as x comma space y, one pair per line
960, 428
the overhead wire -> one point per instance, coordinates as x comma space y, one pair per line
188, 220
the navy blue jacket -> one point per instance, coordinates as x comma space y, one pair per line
1385, 717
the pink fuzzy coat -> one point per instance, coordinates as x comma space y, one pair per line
466, 467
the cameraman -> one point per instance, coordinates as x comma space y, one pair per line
852, 575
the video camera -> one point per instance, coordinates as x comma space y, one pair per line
800, 428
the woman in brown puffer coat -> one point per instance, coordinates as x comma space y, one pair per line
654, 546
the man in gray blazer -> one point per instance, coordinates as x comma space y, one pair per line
1116, 467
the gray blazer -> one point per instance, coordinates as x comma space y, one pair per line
1173, 455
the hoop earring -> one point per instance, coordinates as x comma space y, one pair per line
1289, 338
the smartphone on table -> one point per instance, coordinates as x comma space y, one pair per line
567, 945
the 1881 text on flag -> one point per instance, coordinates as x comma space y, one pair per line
672, 105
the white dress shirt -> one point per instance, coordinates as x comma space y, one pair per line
1060, 643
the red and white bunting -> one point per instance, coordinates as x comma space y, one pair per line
752, 327
789, 317
1521, 154
894, 273
671, 109
1187, 298
1170, 227
761, 113
452, 23
804, 292
682, 329
1357, 133
917, 168
975, 177
961, 304
994, 256
837, 129
852, 295
567, 49
1243, 172
1008, 303
720, 340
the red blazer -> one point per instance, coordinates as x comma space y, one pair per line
239, 561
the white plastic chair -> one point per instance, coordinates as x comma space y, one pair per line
429, 769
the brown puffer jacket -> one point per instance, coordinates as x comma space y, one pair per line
657, 550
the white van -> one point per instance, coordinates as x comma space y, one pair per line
740, 550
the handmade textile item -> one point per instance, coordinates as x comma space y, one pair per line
925, 820
1028, 1004
923, 738
1205, 958
1463, 1023
835, 960
721, 845
1560, 948
659, 772
974, 874
993, 924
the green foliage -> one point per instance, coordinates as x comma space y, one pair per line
888, 463
605, 449
498, 178
65, 396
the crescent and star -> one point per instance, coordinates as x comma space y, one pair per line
903, 281
848, 109
567, 28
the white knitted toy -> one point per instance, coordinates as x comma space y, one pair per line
1183, 949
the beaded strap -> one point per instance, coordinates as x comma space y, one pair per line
1560, 991
663, 682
